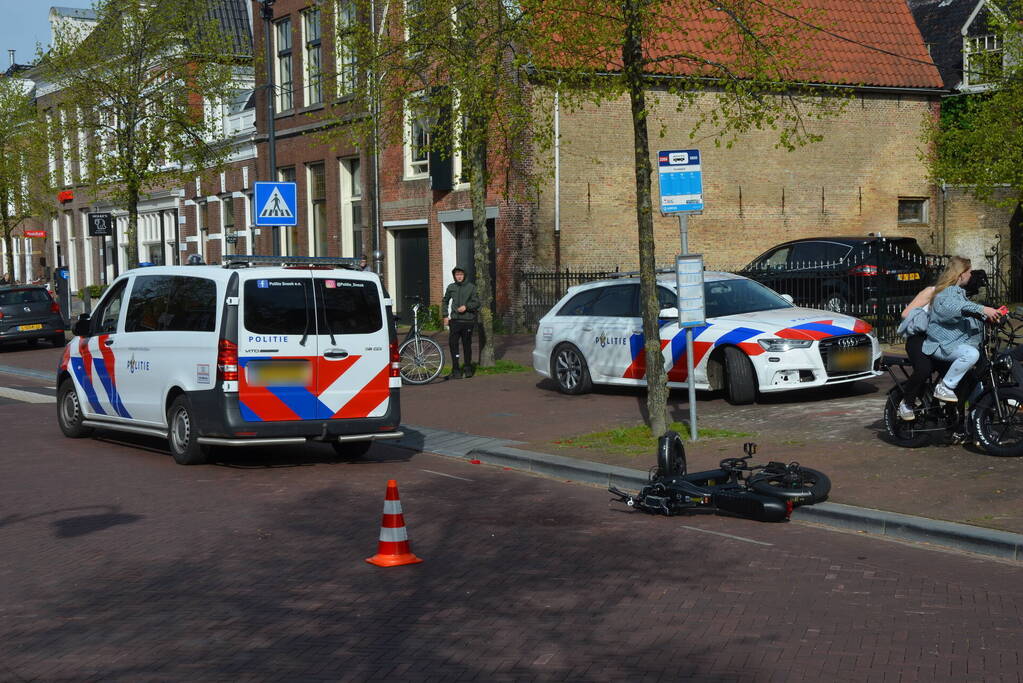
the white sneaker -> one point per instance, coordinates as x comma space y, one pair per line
906, 412
943, 393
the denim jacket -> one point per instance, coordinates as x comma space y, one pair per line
948, 327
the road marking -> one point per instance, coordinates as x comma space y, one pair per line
718, 533
25, 396
441, 474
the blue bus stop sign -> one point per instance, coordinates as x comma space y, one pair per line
681, 180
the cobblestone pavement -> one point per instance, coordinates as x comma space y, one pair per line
119, 565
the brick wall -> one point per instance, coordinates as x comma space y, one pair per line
755, 194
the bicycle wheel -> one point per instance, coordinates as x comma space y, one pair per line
421, 359
1001, 436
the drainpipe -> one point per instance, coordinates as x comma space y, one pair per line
557, 180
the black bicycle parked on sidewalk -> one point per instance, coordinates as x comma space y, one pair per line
990, 407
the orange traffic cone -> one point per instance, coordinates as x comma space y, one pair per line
393, 549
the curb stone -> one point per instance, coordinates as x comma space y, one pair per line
1001, 544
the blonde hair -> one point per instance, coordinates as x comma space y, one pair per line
956, 266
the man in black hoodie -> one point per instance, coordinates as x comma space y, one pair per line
464, 302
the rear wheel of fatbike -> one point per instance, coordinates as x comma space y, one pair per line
801, 485
1000, 435
901, 432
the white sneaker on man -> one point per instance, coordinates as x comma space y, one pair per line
943, 393
906, 412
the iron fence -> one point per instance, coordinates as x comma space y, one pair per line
875, 291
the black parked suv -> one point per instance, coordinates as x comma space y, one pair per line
844, 274
29, 313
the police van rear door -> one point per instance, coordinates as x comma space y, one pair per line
277, 345
353, 371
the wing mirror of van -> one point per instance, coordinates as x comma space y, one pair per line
668, 313
787, 297
82, 326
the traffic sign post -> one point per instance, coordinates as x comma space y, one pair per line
276, 204
680, 180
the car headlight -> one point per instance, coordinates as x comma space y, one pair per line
780, 345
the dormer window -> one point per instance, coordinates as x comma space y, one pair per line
982, 64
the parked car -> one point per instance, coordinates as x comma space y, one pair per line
843, 274
754, 340
28, 313
242, 354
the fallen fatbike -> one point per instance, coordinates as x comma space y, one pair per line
767, 493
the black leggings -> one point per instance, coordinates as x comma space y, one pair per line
923, 365
461, 330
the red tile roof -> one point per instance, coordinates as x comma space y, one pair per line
848, 42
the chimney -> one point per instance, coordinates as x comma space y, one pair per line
10, 53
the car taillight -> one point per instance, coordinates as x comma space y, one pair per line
864, 271
227, 361
1, 315
54, 307
395, 360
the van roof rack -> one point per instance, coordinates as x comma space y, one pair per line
245, 260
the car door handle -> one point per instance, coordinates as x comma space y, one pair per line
587, 329
335, 353
108, 342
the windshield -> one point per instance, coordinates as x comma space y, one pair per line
731, 297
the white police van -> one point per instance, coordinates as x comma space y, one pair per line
258, 351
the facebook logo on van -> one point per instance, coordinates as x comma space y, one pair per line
263, 284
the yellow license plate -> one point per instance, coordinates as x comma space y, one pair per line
909, 276
278, 373
847, 360
26, 328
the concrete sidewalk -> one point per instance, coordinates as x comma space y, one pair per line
504, 453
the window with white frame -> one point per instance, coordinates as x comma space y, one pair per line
413, 21
983, 62
345, 58
351, 207
913, 210
290, 235
313, 57
317, 186
417, 139
64, 119
285, 84
227, 224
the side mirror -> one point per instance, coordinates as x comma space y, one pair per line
82, 326
668, 313
787, 297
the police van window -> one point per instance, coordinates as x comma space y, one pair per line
617, 301
278, 306
581, 303
171, 303
105, 319
349, 306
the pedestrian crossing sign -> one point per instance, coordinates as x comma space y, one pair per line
276, 204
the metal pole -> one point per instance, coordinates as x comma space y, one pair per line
177, 238
378, 253
683, 230
271, 91
163, 237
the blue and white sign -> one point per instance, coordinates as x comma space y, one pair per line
276, 204
681, 180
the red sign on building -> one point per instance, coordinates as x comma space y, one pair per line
65, 196
41, 234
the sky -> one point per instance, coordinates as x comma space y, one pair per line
26, 22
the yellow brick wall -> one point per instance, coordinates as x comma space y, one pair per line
869, 157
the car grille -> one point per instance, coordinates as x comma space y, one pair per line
832, 347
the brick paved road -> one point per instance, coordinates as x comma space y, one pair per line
118, 565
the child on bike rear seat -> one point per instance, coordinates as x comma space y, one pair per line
951, 335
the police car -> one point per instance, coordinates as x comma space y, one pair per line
259, 351
754, 340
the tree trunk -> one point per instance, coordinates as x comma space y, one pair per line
478, 179
132, 253
9, 256
656, 378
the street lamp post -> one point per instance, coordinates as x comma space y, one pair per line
271, 133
